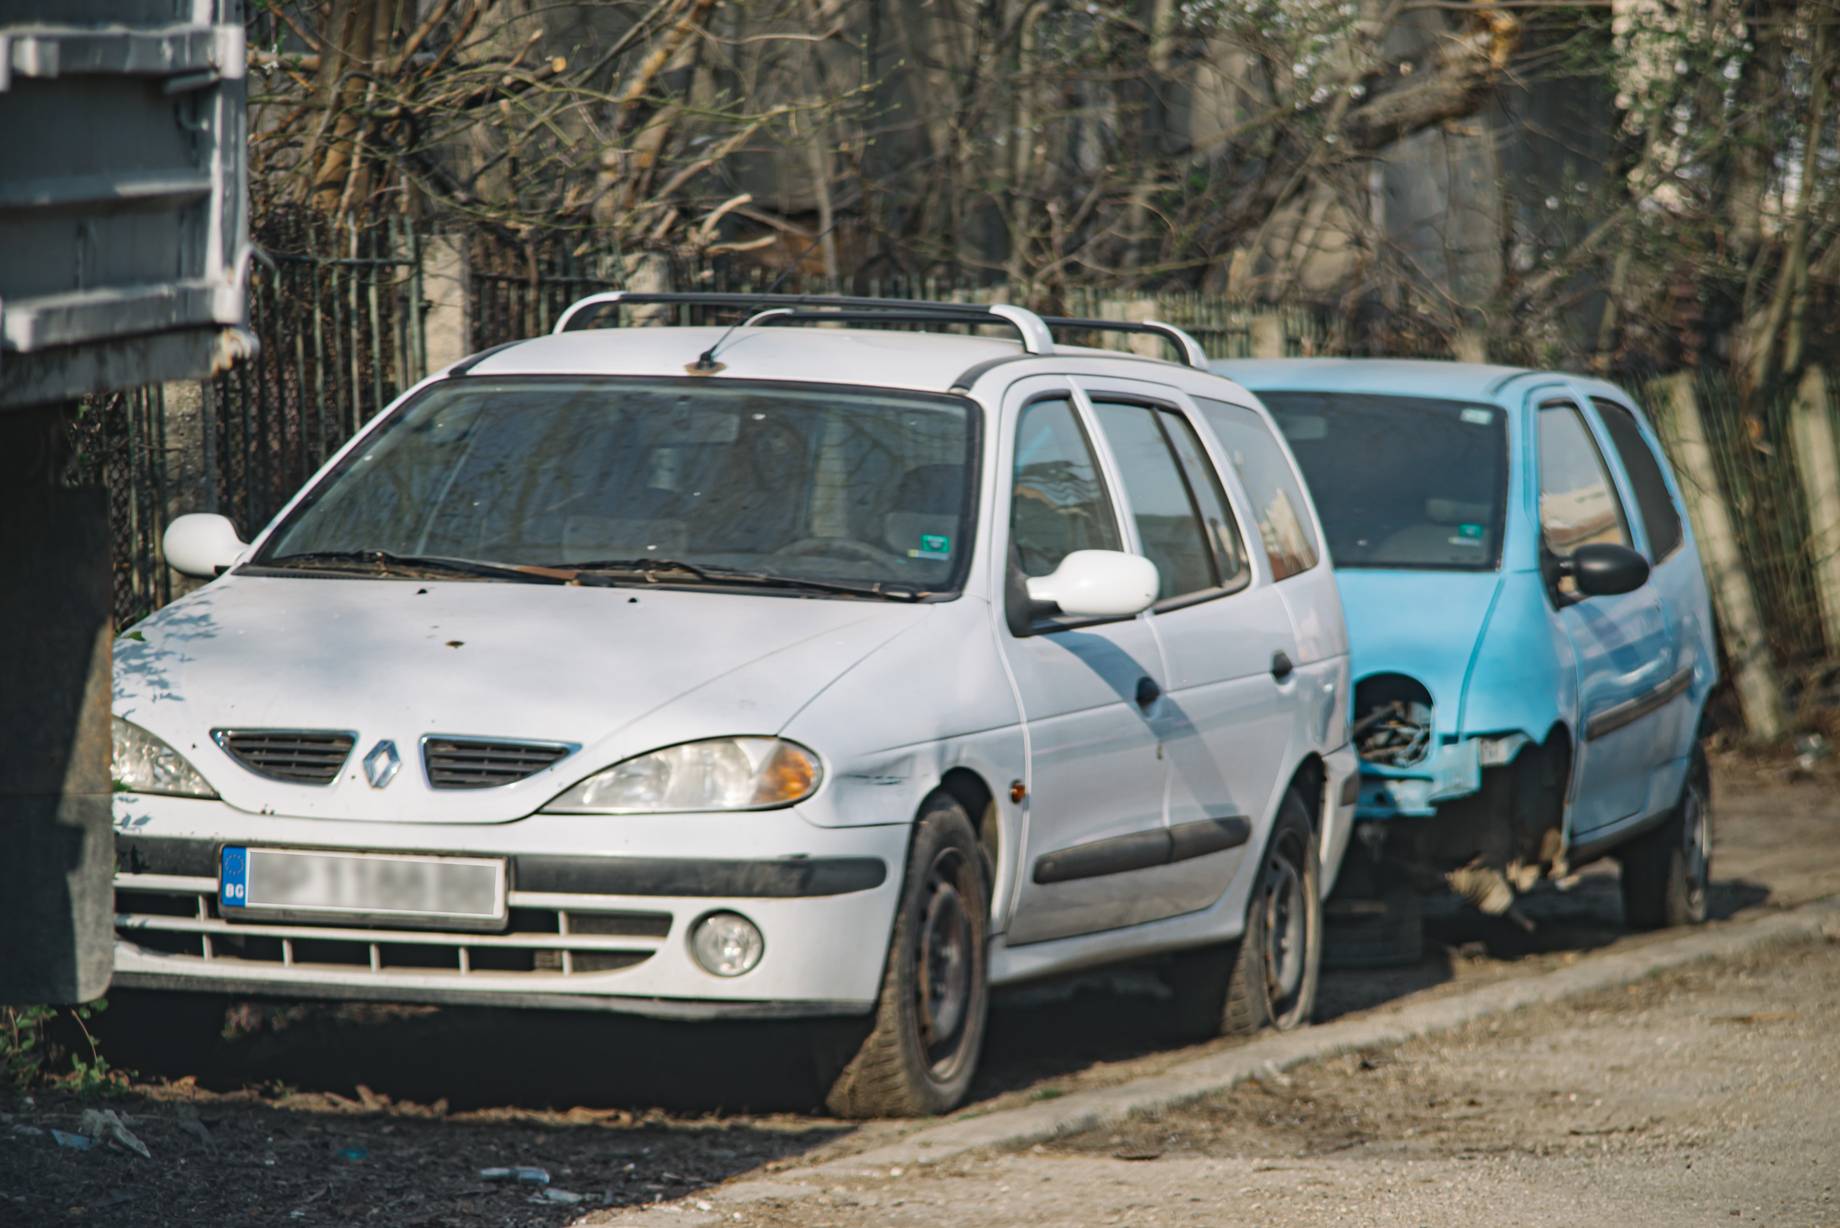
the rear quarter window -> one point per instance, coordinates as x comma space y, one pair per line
1660, 518
1278, 501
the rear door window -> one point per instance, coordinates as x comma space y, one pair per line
1210, 500
1278, 503
1660, 518
1180, 510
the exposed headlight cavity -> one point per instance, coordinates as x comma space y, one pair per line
1392, 720
720, 774
141, 763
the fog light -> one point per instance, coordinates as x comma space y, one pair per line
727, 944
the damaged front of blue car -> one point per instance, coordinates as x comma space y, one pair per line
1432, 525
1421, 638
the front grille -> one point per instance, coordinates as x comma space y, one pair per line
481, 763
297, 756
178, 917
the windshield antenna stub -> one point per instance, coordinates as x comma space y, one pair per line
706, 363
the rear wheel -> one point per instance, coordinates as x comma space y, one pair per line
1667, 872
929, 1021
1270, 975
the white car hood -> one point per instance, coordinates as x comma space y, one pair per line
617, 670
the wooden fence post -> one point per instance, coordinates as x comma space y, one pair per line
1817, 464
1137, 311
447, 329
1267, 335
650, 273
1753, 673
189, 464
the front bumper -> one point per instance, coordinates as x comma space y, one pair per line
601, 911
1452, 771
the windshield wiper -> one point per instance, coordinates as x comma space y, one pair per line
652, 570
421, 566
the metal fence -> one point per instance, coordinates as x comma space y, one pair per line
520, 291
340, 323
1761, 484
338, 318
120, 444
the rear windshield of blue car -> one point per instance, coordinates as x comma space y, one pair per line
1410, 482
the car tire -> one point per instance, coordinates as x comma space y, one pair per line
1667, 871
928, 1028
1269, 977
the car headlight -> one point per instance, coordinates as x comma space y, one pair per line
720, 774
141, 763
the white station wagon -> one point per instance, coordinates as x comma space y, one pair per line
761, 670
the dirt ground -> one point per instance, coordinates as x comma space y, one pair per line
321, 1114
1701, 1097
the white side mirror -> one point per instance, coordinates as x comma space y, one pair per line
201, 544
1098, 584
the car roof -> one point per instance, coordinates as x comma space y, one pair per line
1403, 376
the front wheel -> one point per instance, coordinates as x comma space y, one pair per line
922, 1051
1667, 872
1270, 975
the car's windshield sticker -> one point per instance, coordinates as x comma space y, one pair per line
1475, 415
932, 546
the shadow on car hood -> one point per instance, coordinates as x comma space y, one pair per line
616, 670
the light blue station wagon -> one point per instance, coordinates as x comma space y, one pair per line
1529, 626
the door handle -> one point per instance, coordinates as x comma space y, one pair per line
1281, 666
1148, 692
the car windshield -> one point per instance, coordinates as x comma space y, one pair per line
1400, 481
696, 482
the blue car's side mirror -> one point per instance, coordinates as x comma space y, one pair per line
1603, 569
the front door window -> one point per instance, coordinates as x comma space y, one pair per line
1578, 503
1058, 504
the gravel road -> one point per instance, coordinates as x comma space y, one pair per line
1706, 1096
320, 1114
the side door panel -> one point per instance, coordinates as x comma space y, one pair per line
1619, 643
1679, 585
1228, 724
1227, 715
1093, 838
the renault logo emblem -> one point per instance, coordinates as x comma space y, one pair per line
381, 764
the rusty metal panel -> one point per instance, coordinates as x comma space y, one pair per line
124, 244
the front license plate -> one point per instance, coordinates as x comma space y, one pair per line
392, 888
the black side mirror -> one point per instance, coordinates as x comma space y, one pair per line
1020, 610
1603, 569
